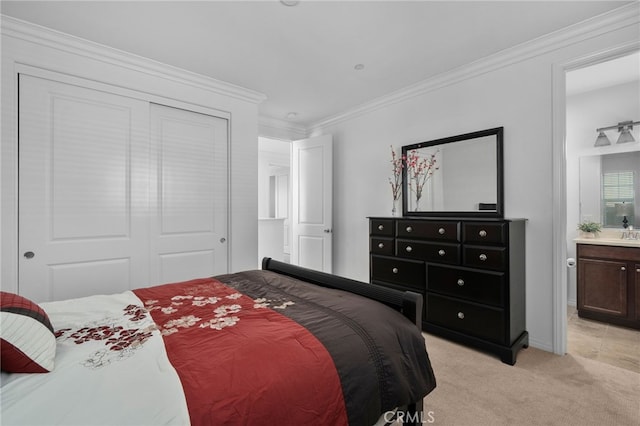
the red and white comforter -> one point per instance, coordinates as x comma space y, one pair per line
248, 348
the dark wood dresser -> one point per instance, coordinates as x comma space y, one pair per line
471, 272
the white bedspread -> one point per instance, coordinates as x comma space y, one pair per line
111, 368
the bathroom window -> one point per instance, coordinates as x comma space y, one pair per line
618, 189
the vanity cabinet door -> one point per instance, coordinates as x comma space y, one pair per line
602, 286
636, 281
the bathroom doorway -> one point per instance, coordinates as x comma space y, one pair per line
599, 95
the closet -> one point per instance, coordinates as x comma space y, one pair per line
115, 191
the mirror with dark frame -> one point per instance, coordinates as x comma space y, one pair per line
455, 176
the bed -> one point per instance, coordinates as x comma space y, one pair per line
281, 345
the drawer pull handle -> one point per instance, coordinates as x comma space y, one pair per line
441, 231
441, 252
461, 315
380, 227
381, 245
460, 282
623, 268
408, 249
394, 270
482, 233
409, 229
483, 257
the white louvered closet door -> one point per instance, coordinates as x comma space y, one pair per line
188, 196
83, 191
106, 204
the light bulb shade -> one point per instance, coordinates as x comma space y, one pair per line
625, 136
602, 140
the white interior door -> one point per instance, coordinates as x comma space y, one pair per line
188, 195
83, 183
312, 192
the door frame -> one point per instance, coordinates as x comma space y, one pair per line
559, 222
10, 210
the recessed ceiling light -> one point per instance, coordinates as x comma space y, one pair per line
289, 2
292, 115
358, 67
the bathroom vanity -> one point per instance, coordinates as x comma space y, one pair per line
609, 280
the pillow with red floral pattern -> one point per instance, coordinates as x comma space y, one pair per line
27, 340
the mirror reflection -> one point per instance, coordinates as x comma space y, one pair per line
460, 175
610, 188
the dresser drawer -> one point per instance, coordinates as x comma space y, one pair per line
381, 227
430, 252
409, 273
480, 321
481, 287
432, 230
485, 257
381, 245
484, 233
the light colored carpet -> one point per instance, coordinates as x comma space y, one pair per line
476, 389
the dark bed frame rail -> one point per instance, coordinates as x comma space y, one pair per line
407, 302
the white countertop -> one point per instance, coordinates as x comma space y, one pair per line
609, 238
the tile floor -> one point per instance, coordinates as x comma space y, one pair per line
608, 343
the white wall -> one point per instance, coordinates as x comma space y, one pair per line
518, 96
28, 45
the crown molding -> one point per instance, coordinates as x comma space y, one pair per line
610, 21
47, 37
273, 127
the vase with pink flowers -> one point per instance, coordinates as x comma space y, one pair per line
397, 164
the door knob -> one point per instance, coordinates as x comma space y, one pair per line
29, 254
327, 231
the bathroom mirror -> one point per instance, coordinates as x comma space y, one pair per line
610, 188
455, 176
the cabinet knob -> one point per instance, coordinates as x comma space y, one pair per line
461, 315
409, 229
381, 245
483, 257
380, 227
623, 268
441, 252
460, 282
482, 233
408, 249
394, 270
441, 231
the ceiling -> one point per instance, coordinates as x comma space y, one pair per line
303, 58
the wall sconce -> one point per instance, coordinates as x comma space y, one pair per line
624, 127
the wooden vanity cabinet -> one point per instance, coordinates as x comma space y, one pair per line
470, 271
609, 284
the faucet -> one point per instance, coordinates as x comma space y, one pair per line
629, 234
